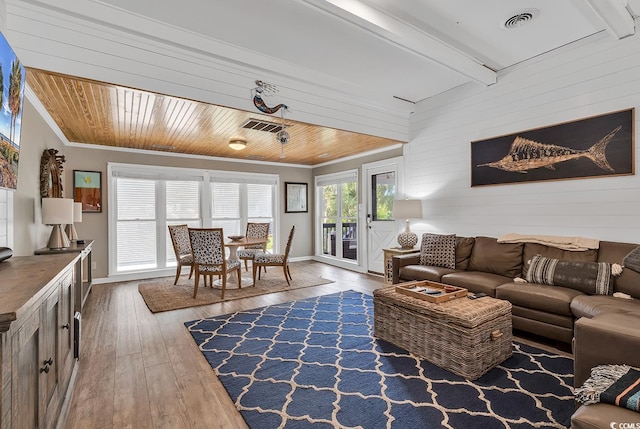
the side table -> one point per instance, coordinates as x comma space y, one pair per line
83, 275
388, 261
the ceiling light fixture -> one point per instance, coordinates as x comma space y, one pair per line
237, 143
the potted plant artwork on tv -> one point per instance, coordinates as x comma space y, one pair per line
12, 78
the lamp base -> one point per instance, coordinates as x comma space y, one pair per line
72, 234
407, 240
58, 239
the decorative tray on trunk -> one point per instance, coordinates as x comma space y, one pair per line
431, 291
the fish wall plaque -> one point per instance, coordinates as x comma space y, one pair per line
593, 147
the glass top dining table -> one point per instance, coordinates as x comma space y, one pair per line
232, 280
246, 241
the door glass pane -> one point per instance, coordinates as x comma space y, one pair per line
349, 215
384, 192
329, 216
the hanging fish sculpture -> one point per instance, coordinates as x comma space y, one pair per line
260, 104
525, 155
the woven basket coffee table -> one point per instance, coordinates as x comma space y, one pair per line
467, 337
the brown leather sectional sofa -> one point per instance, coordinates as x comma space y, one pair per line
606, 328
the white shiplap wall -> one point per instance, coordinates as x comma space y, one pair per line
594, 76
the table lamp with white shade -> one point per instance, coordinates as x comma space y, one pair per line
57, 212
77, 218
407, 209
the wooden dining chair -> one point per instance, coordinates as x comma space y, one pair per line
207, 245
254, 230
264, 259
182, 248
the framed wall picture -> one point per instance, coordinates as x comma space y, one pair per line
87, 189
295, 196
598, 146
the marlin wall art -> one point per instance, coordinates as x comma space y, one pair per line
597, 146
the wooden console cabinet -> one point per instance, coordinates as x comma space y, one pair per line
36, 339
83, 275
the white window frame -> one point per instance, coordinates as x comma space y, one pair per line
177, 173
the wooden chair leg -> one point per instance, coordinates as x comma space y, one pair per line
289, 271
224, 285
239, 270
284, 268
178, 272
195, 284
253, 269
246, 265
190, 272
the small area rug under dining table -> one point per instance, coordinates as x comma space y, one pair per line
163, 295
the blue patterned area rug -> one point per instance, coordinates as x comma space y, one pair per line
315, 363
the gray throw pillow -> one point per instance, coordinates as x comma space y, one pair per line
438, 250
593, 278
632, 260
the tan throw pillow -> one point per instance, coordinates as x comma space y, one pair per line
438, 250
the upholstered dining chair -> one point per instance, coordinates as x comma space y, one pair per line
207, 245
264, 259
182, 248
254, 230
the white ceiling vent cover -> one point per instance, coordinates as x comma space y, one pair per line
520, 18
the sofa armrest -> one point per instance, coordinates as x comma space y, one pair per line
399, 261
611, 338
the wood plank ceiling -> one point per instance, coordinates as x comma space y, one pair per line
98, 113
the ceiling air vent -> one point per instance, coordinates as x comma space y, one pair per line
519, 19
259, 125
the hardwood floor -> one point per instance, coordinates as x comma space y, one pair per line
143, 370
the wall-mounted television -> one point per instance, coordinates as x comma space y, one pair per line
12, 78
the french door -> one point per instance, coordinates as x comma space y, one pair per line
337, 215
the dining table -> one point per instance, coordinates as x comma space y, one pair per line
232, 245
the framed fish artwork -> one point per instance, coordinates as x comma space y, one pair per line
592, 147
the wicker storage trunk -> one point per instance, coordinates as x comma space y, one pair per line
467, 337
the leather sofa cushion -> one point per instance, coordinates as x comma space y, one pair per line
553, 299
594, 305
629, 281
560, 320
475, 281
423, 272
489, 256
533, 249
602, 416
464, 245
542, 329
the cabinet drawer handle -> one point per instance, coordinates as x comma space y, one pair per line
45, 369
65, 326
48, 361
